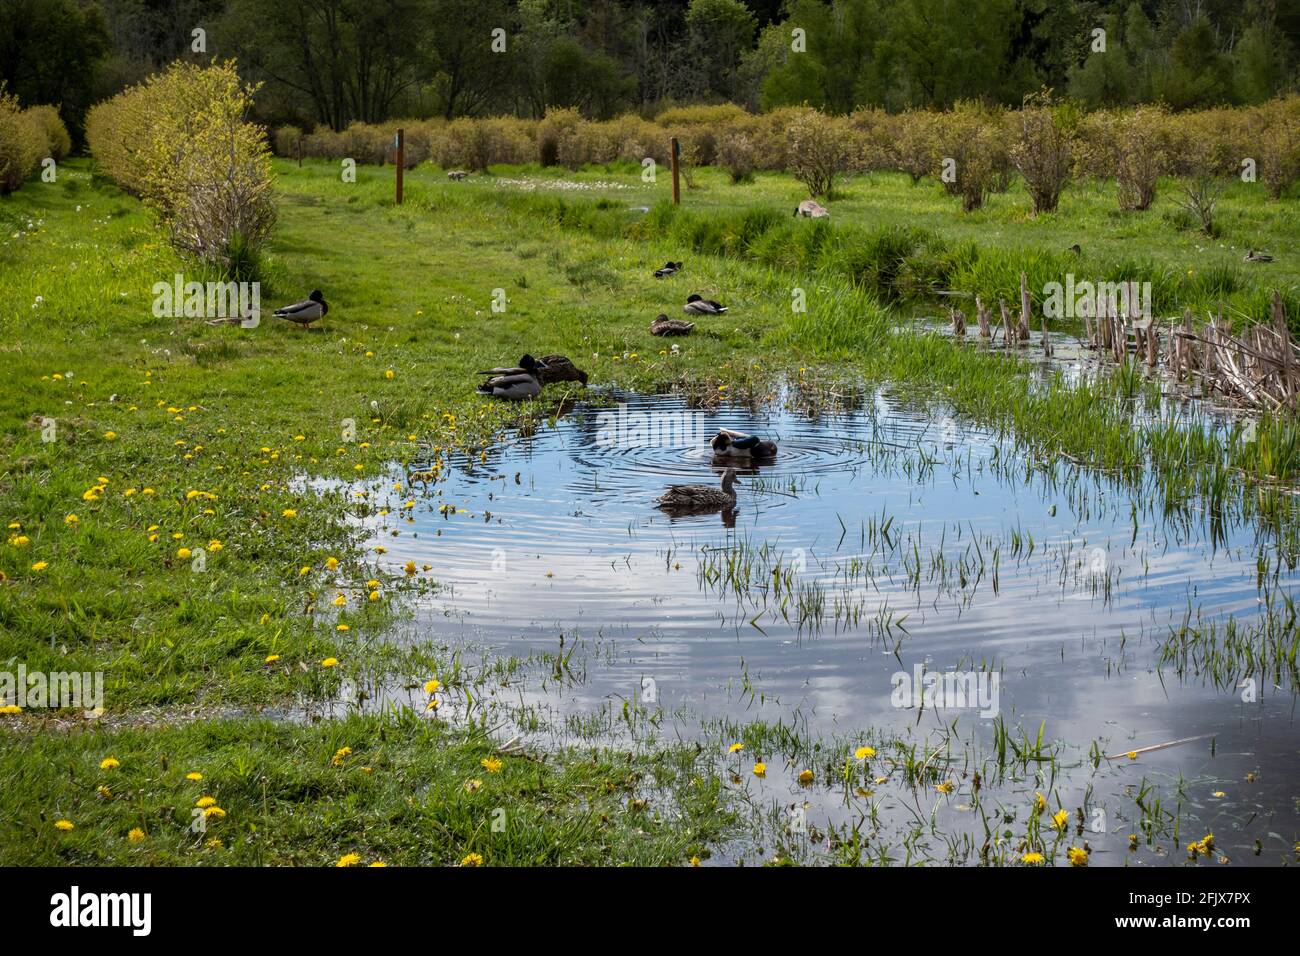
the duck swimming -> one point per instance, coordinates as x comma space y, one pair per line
694, 499
515, 383
739, 445
670, 268
307, 311
662, 325
695, 305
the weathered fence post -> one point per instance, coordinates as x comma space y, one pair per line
675, 149
401, 161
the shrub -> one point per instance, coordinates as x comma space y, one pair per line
180, 141
820, 150
58, 142
736, 154
971, 136
1042, 152
284, 140
17, 144
1131, 145
1275, 129
27, 137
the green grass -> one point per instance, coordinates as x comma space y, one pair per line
242, 416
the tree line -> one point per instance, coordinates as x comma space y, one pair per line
335, 62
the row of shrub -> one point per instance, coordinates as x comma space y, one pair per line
181, 142
1046, 142
27, 137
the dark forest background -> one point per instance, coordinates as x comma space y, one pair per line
333, 62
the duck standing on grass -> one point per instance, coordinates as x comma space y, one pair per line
515, 383
735, 444
662, 325
700, 499
670, 268
307, 311
696, 305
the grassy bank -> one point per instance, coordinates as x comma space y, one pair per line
169, 436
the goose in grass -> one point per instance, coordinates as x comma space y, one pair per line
670, 269
307, 311
693, 499
515, 383
812, 210
696, 305
662, 325
1253, 256
560, 368
734, 444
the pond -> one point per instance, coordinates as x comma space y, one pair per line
1083, 621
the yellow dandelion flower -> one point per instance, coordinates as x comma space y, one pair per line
806, 777
472, 859
864, 753
1032, 859
760, 769
490, 764
1078, 856
349, 859
109, 763
64, 825
330, 662
136, 835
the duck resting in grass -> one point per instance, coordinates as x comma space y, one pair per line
307, 311
697, 305
1253, 256
812, 210
662, 325
670, 268
695, 499
734, 444
560, 368
515, 383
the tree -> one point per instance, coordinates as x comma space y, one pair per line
720, 32
49, 50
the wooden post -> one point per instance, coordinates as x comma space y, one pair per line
1007, 335
983, 315
675, 149
1023, 331
401, 161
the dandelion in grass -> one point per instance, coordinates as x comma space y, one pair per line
491, 764
205, 801
432, 685
340, 755
211, 812
1060, 818
1078, 856
331, 563
40, 565
183, 554
71, 520
864, 753
1032, 859
136, 835
271, 658
289, 513
760, 769
735, 748
342, 627
330, 662
194, 775
109, 763
472, 859
1040, 803
349, 859
340, 601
